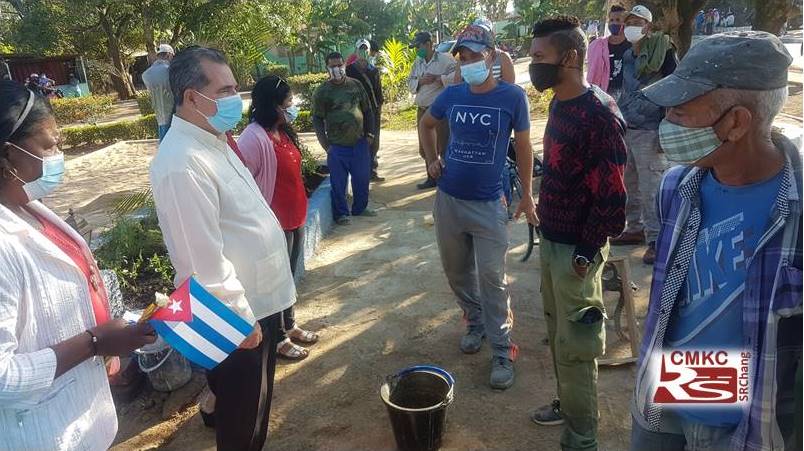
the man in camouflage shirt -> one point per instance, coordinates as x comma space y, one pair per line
344, 125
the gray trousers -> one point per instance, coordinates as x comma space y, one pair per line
643, 174
472, 238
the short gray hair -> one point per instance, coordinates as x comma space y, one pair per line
186, 72
764, 105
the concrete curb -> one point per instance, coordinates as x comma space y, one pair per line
319, 224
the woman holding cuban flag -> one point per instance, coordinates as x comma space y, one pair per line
55, 325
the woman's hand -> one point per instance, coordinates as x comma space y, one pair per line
118, 338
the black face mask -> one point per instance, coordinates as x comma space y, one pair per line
543, 75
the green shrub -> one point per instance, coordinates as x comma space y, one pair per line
135, 250
265, 69
144, 103
539, 102
303, 123
77, 109
397, 59
305, 86
142, 128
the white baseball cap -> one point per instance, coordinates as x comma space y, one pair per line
641, 11
363, 43
165, 48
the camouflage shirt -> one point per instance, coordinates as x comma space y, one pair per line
342, 108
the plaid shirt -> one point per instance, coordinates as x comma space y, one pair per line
772, 302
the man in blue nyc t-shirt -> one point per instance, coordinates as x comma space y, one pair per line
470, 212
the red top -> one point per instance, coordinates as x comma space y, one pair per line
85, 262
290, 198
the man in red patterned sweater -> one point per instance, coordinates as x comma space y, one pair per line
581, 205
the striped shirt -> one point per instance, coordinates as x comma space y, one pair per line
772, 302
44, 300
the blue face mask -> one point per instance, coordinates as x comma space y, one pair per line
230, 112
615, 28
52, 173
291, 113
475, 73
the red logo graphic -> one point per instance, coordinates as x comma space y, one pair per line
703, 377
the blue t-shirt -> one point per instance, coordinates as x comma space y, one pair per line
479, 126
709, 312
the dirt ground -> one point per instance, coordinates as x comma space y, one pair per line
377, 294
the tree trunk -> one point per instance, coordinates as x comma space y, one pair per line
676, 17
148, 32
120, 78
771, 15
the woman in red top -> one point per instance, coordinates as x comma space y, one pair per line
270, 149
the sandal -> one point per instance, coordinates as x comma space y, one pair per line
290, 351
302, 336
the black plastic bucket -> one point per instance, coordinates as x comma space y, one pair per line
417, 399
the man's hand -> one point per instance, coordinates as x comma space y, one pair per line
579, 270
254, 338
528, 208
428, 79
434, 169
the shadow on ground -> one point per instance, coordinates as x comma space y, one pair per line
377, 293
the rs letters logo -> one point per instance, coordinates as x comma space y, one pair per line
703, 377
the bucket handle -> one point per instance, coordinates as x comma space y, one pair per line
155, 367
392, 379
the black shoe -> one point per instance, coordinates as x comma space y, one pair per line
427, 184
650, 254
208, 419
548, 415
376, 178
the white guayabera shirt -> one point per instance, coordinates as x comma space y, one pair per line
44, 300
217, 225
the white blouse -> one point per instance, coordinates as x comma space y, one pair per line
44, 299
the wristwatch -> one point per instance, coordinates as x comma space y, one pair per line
581, 261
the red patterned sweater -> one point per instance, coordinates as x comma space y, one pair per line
582, 196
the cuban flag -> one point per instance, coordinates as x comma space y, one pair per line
199, 326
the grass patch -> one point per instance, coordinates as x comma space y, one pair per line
403, 119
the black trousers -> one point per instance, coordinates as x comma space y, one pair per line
375, 146
243, 385
295, 239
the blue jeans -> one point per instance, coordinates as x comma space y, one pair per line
343, 162
162, 131
695, 437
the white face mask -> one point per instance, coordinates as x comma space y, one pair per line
336, 73
634, 34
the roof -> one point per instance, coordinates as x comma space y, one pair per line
31, 58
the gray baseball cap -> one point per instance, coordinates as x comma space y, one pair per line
749, 60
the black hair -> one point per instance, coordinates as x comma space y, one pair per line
565, 34
185, 70
269, 94
333, 56
375, 47
617, 8
13, 100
